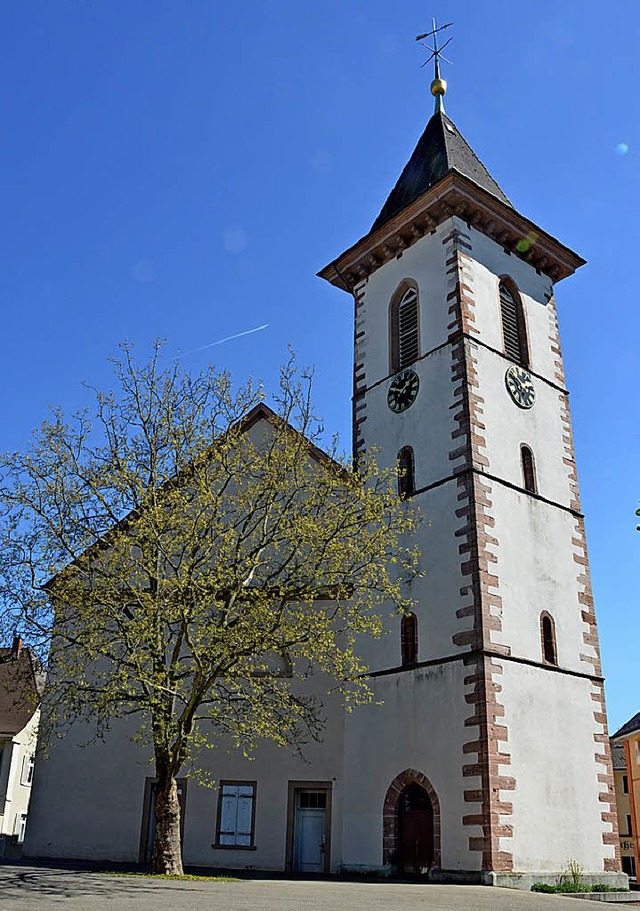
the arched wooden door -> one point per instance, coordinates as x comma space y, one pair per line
415, 831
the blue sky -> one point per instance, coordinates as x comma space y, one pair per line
183, 169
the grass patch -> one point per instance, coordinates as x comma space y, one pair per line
187, 877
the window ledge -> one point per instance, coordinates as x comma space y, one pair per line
218, 847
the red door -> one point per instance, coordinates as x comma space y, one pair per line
415, 840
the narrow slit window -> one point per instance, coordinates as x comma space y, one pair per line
406, 473
528, 470
409, 639
548, 635
405, 330
514, 334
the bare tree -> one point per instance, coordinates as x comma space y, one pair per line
167, 553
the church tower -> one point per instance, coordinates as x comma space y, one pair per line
488, 759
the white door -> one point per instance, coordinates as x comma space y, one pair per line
310, 832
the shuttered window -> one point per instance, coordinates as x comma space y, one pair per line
405, 330
528, 470
236, 815
406, 473
513, 328
409, 639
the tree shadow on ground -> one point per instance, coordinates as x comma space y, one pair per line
18, 883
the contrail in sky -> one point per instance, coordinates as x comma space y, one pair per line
227, 339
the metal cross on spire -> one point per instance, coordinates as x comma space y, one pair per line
439, 85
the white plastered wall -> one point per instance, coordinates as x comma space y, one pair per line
537, 573
556, 808
13, 787
88, 797
420, 726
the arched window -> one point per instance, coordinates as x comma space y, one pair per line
548, 636
409, 639
528, 469
514, 333
405, 329
406, 473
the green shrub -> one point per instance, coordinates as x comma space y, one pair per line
573, 887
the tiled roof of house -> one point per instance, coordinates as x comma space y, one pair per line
20, 689
617, 757
633, 724
440, 149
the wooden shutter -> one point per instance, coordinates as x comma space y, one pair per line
244, 818
228, 815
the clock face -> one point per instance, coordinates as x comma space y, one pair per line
403, 391
520, 387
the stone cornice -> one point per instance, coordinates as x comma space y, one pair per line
455, 194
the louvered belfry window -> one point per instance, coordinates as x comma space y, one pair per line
405, 337
513, 328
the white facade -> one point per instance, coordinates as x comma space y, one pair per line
16, 773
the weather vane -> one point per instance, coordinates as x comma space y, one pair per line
439, 85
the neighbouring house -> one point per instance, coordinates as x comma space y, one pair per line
20, 689
625, 745
467, 763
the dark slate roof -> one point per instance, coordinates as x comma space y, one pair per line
440, 149
633, 724
617, 757
21, 683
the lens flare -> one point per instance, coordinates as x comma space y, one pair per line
622, 148
527, 242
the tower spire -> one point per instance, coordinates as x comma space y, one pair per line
438, 85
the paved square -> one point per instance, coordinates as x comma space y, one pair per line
42, 889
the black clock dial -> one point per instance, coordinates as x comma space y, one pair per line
520, 387
403, 391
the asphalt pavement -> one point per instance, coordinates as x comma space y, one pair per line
48, 889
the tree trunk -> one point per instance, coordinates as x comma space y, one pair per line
167, 848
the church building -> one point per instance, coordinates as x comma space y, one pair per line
484, 755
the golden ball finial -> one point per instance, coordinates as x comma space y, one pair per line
438, 86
